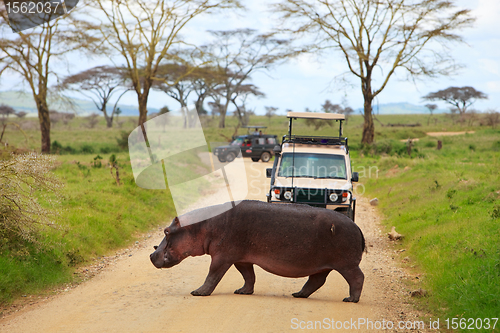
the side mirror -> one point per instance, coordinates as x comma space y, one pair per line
269, 172
355, 177
277, 150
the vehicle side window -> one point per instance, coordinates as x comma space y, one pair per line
271, 141
262, 141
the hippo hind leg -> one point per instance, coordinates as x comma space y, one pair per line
314, 282
355, 278
248, 273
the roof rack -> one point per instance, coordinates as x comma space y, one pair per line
316, 115
316, 140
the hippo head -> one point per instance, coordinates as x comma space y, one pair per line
174, 247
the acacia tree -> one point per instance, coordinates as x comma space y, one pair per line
33, 53
431, 108
460, 97
144, 31
239, 101
237, 54
99, 84
411, 35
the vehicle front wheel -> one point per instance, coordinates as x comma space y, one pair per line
221, 159
255, 159
265, 157
230, 157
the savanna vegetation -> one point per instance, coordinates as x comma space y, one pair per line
446, 202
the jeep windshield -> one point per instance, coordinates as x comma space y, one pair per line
237, 142
309, 165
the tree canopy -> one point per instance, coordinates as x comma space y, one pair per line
460, 97
376, 38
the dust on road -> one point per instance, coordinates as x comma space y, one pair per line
131, 295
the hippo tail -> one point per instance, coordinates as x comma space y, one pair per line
363, 243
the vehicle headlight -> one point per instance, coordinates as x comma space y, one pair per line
334, 197
288, 195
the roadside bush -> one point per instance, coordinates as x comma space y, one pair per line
24, 180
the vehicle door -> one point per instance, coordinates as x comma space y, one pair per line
258, 145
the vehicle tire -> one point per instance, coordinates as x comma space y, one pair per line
221, 159
265, 157
255, 159
230, 157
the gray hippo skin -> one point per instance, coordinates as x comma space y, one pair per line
289, 240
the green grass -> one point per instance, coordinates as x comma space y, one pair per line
97, 216
446, 202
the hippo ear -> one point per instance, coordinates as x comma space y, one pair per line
176, 222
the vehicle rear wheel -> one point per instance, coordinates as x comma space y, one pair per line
230, 157
255, 159
265, 157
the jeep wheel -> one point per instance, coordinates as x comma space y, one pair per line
265, 157
221, 159
255, 159
230, 157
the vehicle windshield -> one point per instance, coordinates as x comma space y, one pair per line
237, 142
312, 166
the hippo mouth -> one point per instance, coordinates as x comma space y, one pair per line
162, 261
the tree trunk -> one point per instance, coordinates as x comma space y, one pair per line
368, 125
222, 120
223, 111
143, 104
44, 118
109, 121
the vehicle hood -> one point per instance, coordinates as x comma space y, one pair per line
338, 184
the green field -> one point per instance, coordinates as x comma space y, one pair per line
445, 202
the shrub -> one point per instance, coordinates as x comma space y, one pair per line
109, 149
21, 215
56, 147
123, 140
87, 149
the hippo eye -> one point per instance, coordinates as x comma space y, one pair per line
155, 247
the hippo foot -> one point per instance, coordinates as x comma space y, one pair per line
300, 295
350, 299
243, 291
197, 292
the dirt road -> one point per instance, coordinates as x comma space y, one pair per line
131, 295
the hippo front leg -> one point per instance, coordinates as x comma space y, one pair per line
248, 273
217, 270
314, 282
355, 278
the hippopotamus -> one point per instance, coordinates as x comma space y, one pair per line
290, 240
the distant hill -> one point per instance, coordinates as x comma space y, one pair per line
23, 101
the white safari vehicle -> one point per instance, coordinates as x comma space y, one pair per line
313, 170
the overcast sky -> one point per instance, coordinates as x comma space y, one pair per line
307, 82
